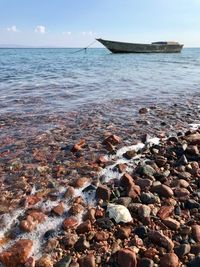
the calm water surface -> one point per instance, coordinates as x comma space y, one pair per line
45, 81
41, 89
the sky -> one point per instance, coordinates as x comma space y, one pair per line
76, 23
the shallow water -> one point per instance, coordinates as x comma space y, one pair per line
47, 81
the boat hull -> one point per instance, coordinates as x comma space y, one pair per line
121, 47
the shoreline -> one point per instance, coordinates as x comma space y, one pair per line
48, 182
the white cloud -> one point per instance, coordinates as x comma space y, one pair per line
90, 33
40, 29
12, 29
66, 33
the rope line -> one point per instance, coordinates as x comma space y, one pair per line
85, 48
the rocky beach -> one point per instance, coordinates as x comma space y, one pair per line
95, 190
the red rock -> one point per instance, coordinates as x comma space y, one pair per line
181, 192
126, 257
169, 260
150, 253
112, 139
127, 180
133, 191
30, 262
38, 216
102, 236
45, 261
122, 167
99, 213
69, 240
84, 227
32, 220
17, 254
29, 224
102, 160
78, 146
80, 182
103, 192
88, 261
144, 183
171, 223
161, 240
32, 200
59, 209
165, 211
70, 223
196, 232
69, 192
163, 190
76, 209
123, 232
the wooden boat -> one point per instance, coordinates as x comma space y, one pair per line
156, 47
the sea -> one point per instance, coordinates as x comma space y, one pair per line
38, 84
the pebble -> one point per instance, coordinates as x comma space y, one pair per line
182, 250
123, 232
144, 183
44, 261
162, 240
172, 223
125, 201
17, 254
163, 190
105, 223
64, 262
144, 211
145, 262
196, 232
169, 260
70, 223
103, 192
191, 204
102, 236
80, 182
59, 209
148, 198
88, 261
195, 262
165, 211
82, 244
69, 240
84, 227
126, 257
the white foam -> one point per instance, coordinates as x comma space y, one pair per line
194, 126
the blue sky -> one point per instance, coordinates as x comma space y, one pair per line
76, 23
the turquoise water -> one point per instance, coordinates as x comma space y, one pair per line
46, 81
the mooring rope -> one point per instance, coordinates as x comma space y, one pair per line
85, 48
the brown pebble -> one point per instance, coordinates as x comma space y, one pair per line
196, 232
161, 240
169, 260
17, 254
165, 211
126, 257
103, 192
172, 223
59, 209
88, 261
70, 223
84, 227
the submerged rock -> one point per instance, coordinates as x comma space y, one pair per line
17, 254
